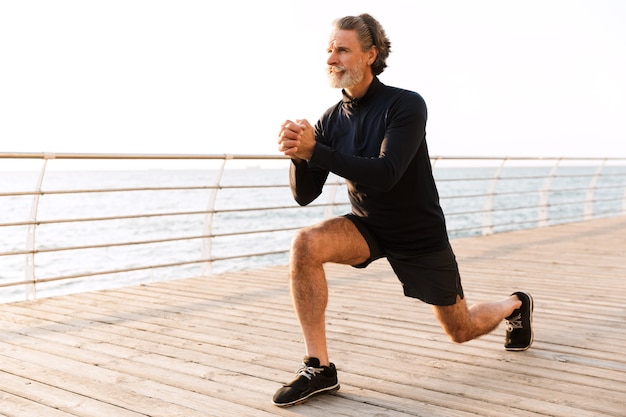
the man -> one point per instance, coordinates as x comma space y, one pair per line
375, 139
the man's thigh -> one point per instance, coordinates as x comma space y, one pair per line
333, 240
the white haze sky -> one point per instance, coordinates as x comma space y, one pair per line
500, 78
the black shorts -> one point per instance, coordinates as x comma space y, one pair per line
431, 277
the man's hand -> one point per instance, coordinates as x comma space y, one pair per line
296, 139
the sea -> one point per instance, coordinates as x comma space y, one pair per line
521, 201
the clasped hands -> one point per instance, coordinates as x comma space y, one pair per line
296, 139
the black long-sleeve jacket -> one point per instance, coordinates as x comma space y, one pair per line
378, 144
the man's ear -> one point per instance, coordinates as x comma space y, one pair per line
372, 54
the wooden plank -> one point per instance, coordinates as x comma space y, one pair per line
17, 405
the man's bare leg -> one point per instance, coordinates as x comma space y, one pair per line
462, 324
335, 240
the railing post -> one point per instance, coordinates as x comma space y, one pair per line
31, 233
207, 243
488, 207
544, 196
591, 190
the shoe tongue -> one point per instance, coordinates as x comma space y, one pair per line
309, 361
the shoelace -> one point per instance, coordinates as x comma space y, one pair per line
514, 323
309, 371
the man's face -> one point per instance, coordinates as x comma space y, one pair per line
346, 62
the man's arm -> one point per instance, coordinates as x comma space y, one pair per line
306, 182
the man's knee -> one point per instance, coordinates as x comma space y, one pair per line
301, 240
455, 328
305, 244
455, 321
458, 334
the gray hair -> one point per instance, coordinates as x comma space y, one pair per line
370, 33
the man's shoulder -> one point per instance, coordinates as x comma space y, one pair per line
401, 98
402, 92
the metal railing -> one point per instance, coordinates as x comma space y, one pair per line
97, 225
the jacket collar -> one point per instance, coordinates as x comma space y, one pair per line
353, 103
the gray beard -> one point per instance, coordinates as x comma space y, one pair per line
347, 79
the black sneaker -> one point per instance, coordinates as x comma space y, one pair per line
519, 331
311, 379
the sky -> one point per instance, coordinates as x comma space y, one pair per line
500, 78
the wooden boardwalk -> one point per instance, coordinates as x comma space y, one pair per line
221, 345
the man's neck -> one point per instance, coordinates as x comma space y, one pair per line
361, 88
